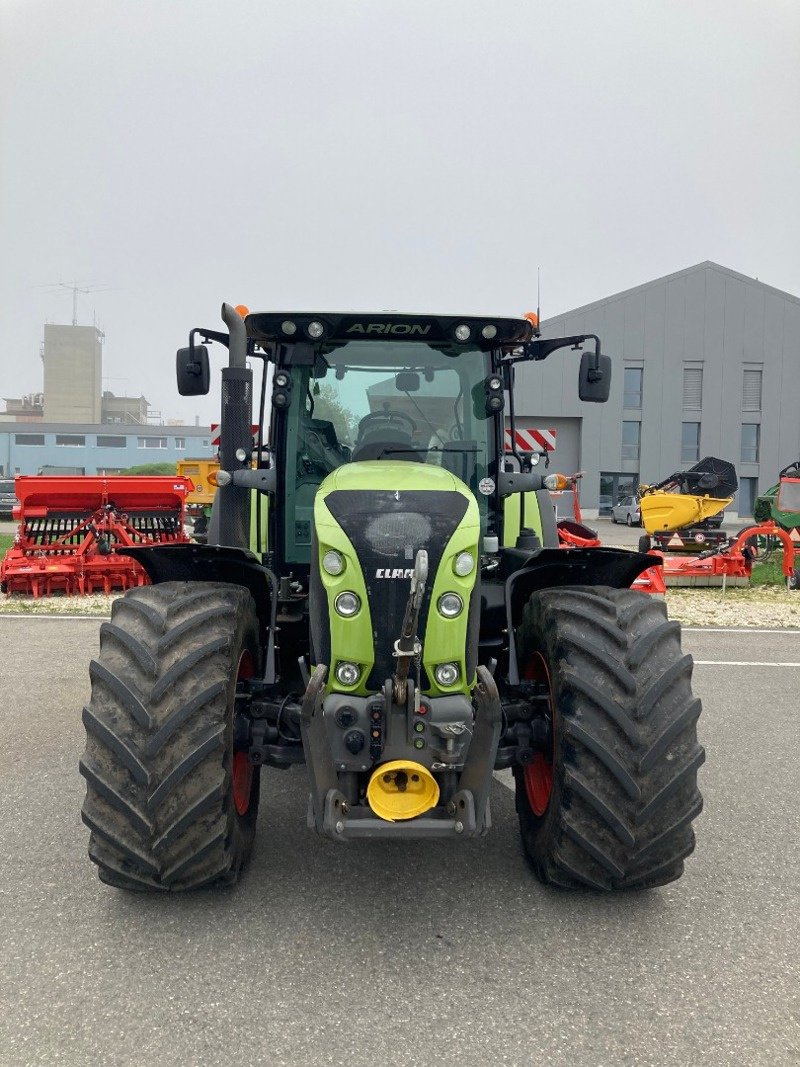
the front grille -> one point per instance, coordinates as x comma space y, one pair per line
387, 528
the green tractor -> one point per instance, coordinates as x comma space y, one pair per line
383, 598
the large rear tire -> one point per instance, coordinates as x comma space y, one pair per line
611, 806
169, 804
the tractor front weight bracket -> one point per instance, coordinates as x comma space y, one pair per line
466, 814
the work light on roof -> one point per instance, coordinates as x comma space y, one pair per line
315, 329
462, 332
288, 327
489, 332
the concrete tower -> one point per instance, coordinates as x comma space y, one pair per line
73, 357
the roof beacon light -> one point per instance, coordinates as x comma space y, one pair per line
243, 310
462, 332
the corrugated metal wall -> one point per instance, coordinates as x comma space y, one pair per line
704, 318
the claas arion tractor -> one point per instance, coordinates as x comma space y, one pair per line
383, 598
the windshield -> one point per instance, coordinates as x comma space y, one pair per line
371, 400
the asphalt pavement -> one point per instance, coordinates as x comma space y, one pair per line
386, 953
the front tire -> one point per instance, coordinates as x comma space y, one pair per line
169, 804
610, 807
628, 520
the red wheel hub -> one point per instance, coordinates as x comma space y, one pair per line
538, 774
242, 782
242, 770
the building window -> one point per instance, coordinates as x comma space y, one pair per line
29, 438
631, 439
748, 491
751, 433
180, 443
70, 439
632, 397
152, 442
111, 442
690, 442
751, 390
692, 388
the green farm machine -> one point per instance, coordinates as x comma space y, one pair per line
383, 597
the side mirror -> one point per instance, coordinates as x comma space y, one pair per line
191, 367
594, 382
407, 381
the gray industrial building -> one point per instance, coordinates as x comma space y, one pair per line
706, 362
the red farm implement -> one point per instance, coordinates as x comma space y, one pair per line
731, 565
71, 530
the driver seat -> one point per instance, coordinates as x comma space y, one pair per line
373, 445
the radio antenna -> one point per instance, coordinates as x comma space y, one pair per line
539, 295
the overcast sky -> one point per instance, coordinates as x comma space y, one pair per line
358, 154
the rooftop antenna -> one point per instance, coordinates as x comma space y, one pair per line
75, 289
539, 295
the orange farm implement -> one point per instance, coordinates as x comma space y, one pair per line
73, 531
732, 564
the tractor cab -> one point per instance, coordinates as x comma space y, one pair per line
388, 389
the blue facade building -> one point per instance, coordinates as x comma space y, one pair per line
107, 448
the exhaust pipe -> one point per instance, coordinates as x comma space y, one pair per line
236, 433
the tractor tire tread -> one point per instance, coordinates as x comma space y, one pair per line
625, 780
158, 759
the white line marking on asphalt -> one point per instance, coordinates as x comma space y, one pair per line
733, 630
742, 663
58, 618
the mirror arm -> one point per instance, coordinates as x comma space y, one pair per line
207, 335
534, 351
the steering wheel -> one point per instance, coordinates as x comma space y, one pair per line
386, 418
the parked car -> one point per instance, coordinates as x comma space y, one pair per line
8, 498
627, 510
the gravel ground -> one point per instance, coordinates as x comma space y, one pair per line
766, 606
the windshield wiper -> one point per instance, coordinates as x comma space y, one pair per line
432, 448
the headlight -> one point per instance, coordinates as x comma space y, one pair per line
347, 604
347, 673
463, 564
446, 673
333, 562
450, 605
